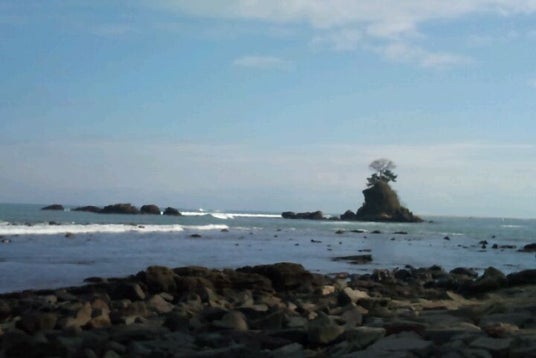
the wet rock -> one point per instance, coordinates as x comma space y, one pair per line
359, 338
234, 320
32, 322
150, 209
159, 279
314, 215
492, 279
355, 259
406, 343
498, 347
349, 215
323, 330
283, 275
159, 304
122, 208
88, 208
529, 248
525, 277
172, 212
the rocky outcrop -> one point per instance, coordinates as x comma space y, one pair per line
382, 204
58, 207
120, 209
314, 215
279, 310
88, 208
172, 212
150, 209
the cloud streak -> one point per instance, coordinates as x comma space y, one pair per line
262, 62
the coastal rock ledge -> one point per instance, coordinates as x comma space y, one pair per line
278, 310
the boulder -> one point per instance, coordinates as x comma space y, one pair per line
525, 277
54, 207
172, 212
88, 208
150, 209
492, 279
159, 279
284, 275
122, 208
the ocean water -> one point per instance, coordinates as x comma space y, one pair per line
48, 249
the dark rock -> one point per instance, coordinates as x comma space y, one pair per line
349, 215
463, 271
525, 277
529, 248
172, 212
159, 279
150, 209
195, 236
382, 204
314, 215
284, 275
355, 259
88, 208
492, 279
124, 208
54, 207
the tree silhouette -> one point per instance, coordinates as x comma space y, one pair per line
383, 171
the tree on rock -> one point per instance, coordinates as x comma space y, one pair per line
381, 201
383, 172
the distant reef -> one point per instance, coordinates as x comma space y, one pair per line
120, 208
57, 207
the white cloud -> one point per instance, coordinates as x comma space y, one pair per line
262, 62
345, 24
403, 52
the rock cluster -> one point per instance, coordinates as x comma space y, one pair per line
278, 310
127, 208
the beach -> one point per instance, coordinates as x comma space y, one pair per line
279, 310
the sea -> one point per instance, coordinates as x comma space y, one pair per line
51, 249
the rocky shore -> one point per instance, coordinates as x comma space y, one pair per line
278, 310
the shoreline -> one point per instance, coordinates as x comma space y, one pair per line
276, 310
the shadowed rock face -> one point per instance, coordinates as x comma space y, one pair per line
382, 204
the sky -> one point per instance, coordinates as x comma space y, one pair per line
269, 105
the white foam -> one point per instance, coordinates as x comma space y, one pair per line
46, 229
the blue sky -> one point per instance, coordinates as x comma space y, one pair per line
269, 105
